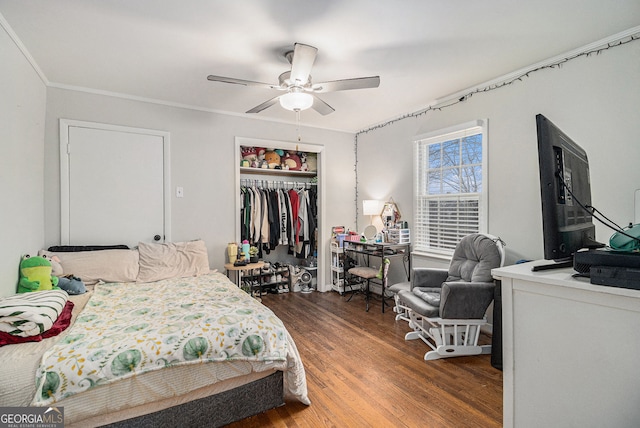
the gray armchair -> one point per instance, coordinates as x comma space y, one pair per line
446, 308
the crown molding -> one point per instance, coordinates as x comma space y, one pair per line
16, 40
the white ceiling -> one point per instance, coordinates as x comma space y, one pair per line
423, 50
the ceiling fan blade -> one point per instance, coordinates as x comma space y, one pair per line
321, 107
264, 105
213, 78
347, 84
303, 58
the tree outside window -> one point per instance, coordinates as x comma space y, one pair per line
449, 188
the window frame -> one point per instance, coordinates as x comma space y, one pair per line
422, 246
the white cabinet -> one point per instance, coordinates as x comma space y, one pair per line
570, 350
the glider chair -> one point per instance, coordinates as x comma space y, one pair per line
446, 308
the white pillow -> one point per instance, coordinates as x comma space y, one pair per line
172, 260
101, 265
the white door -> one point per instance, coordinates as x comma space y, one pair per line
116, 187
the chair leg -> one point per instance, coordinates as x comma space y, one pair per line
402, 312
362, 290
365, 288
456, 338
456, 351
366, 295
412, 335
353, 291
447, 338
416, 322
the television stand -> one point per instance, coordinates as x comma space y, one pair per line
564, 337
560, 264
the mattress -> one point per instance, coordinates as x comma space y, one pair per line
145, 392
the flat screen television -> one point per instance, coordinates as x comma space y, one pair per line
565, 190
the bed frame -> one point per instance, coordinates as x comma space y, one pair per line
216, 410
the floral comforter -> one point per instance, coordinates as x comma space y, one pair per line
128, 329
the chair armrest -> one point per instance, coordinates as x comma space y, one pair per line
465, 300
428, 277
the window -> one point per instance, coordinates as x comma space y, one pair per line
450, 187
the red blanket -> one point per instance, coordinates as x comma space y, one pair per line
58, 327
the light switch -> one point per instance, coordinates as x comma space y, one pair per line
179, 192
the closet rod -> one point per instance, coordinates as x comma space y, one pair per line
268, 184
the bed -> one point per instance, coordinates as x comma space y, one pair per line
194, 348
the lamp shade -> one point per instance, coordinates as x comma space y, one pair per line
371, 207
296, 101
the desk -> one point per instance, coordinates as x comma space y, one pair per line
240, 270
570, 350
380, 250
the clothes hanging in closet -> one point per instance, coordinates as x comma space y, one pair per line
272, 217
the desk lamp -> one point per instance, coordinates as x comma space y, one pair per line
371, 207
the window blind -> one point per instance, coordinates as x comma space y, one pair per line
448, 189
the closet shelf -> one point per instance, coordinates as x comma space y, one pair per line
277, 172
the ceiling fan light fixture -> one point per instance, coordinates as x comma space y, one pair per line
296, 101
298, 86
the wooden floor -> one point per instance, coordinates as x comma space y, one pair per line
362, 373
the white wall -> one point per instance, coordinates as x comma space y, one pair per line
202, 162
22, 112
592, 99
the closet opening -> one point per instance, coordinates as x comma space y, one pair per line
279, 210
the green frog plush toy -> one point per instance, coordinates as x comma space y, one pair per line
35, 275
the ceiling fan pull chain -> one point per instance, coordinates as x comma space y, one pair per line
298, 124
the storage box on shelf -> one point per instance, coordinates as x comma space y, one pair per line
352, 237
399, 236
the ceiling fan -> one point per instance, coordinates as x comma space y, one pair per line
299, 89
